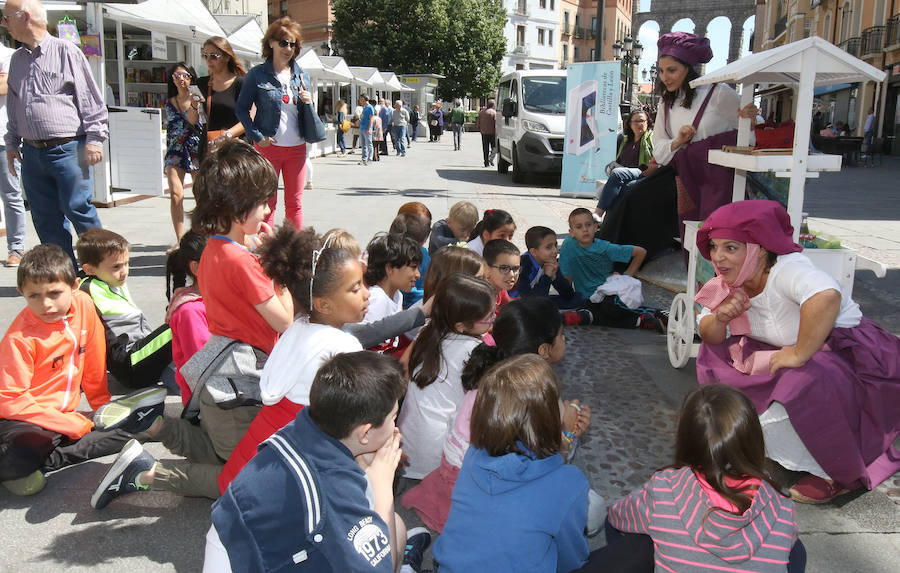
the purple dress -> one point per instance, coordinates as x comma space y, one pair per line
844, 403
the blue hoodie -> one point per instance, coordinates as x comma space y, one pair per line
515, 513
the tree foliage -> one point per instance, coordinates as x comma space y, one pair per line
460, 39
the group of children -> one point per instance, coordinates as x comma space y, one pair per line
313, 372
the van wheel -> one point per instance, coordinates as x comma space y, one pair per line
518, 174
502, 164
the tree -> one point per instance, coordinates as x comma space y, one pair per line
460, 39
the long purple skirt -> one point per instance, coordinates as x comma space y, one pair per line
844, 403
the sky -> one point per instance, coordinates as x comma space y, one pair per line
718, 32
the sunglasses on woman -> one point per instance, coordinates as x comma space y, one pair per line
286, 44
211, 56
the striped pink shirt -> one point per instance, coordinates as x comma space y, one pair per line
672, 509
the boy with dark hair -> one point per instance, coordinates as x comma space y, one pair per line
417, 228
588, 262
136, 354
52, 351
540, 270
393, 268
502, 258
327, 476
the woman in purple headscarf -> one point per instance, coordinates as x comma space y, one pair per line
692, 121
825, 380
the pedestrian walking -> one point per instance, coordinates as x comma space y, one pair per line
340, 121
277, 88
435, 122
55, 108
414, 119
384, 113
221, 89
457, 123
184, 131
486, 124
10, 191
399, 123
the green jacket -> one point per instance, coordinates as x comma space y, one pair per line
458, 116
646, 152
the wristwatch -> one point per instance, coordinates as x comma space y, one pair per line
228, 134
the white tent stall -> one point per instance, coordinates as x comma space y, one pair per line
245, 36
805, 63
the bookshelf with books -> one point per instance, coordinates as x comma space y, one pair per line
145, 77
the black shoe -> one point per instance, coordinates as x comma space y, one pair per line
654, 320
121, 478
417, 541
132, 413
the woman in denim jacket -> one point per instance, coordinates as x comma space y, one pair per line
278, 87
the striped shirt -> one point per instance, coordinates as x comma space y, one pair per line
672, 509
52, 94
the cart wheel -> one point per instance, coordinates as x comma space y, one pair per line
680, 332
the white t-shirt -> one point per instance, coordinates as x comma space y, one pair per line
296, 358
774, 313
476, 245
5, 56
381, 306
721, 115
288, 134
427, 414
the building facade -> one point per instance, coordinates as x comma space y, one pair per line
578, 28
867, 29
314, 16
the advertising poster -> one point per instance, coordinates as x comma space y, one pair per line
592, 115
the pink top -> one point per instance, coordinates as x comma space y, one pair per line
190, 331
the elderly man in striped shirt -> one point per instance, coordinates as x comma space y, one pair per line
56, 110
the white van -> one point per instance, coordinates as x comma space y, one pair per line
531, 122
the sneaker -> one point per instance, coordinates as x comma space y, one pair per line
815, 490
28, 485
122, 476
14, 258
417, 541
654, 320
580, 317
309, 185
133, 413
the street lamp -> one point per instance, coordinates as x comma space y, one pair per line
628, 52
653, 74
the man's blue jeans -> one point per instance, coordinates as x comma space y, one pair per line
619, 179
59, 186
13, 206
365, 138
398, 135
457, 134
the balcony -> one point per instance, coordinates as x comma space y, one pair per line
780, 26
872, 41
891, 36
851, 46
579, 32
521, 50
566, 30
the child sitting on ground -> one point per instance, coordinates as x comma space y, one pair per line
136, 354
245, 311
496, 224
392, 270
524, 326
416, 228
43, 369
186, 314
588, 262
457, 227
318, 495
516, 505
742, 521
328, 289
540, 270
463, 311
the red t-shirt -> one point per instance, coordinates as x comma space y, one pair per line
232, 282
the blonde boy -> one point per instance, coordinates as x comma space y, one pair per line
456, 227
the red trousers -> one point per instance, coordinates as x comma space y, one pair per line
290, 163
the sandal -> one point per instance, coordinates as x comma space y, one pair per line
815, 490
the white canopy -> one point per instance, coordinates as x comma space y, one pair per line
245, 37
371, 76
310, 61
784, 65
187, 20
338, 66
392, 82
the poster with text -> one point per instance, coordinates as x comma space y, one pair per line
592, 115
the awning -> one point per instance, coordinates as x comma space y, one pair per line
391, 82
370, 76
246, 37
310, 61
187, 20
339, 67
822, 90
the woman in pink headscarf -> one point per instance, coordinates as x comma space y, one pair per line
691, 121
825, 380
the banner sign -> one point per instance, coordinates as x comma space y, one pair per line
592, 118
158, 43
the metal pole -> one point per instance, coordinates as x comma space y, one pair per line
598, 38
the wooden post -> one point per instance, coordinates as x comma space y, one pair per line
800, 156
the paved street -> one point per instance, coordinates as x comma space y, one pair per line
624, 375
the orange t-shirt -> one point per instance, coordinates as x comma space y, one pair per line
232, 282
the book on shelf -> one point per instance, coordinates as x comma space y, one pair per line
146, 76
159, 74
130, 75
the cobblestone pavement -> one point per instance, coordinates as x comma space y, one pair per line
623, 374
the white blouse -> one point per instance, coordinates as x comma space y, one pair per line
720, 116
775, 312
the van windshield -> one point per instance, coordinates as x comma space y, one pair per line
544, 94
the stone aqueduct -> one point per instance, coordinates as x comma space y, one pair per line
667, 12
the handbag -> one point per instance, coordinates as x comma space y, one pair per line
311, 127
345, 126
